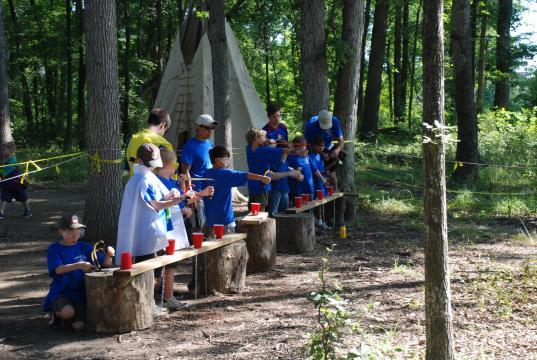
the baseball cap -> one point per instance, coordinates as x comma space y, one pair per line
205, 120
325, 119
70, 222
150, 155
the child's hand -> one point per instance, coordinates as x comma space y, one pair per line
300, 178
325, 181
295, 174
174, 194
265, 179
208, 191
189, 194
110, 251
193, 201
187, 212
85, 266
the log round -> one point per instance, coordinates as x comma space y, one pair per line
261, 244
119, 304
295, 233
226, 269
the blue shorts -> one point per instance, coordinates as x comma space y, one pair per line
10, 193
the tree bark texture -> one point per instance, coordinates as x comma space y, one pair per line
220, 69
413, 66
295, 233
5, 121
125, 120
503, 53
461, 47
367, 16
119, 304
103, 133
370, 121
398, 105
480, 98
313, 61
439, 342
389, 73
405, 59
81, 86
345, 106
261, 244
69, 54
473, 29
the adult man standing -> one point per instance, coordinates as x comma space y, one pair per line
326, 126
158, 123
275, 129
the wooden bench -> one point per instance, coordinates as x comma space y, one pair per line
122, 300
295, 229
260, 241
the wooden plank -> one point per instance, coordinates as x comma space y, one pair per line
313, 204
179, 255
255, 219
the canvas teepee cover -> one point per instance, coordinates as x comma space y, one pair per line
186, 92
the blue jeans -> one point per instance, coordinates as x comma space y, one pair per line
278, 201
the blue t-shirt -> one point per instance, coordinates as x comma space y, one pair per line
278, 134
8, 170
218, 209
196, 154
282, 184
306, 185
317, 164
153, 194
313, 130
172, 184
70, 284
258, 163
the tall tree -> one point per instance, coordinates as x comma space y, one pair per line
313, 62
370, 122
461, 47
69, 54
413, 66
437, 290
125, 121
81, 78
480, 97
503, 53
367, 16
103, 133
405, 58
5, 122
398, 105
346, 99
220, 68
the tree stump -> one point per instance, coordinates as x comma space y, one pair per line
261, 245
226, 269
295, 233
119, 304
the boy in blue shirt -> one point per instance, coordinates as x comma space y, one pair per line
317, 164
11, 185
259, 158
300, 161
218, 208
68, 260
276, 130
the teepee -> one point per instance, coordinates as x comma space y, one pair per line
186, 89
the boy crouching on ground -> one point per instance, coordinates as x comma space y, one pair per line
68, 260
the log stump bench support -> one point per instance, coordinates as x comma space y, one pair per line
316, 203
122, 300
260, 241
295, 233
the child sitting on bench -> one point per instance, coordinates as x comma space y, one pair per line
68, 259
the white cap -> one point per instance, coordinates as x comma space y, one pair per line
325, 119
205, 120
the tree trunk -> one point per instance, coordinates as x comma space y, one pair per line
370, 121
405, 61
125, 121
69, 103
413, 67
313, 61
5, 121
481, 67
473, 29
503, 54
261, 244
437, 289
461, 44
220, 67
367, 16
389, 73
119, 304
103, 136
346, 99
295, 233
51, 97
398, 105
80, 104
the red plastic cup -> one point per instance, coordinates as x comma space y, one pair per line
170, 249
219, 231
320, 194
197, 239
330, 190
305, 198
126, 261
254, 208
298, 202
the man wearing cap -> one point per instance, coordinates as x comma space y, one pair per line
158, 123
326, 126
276, 130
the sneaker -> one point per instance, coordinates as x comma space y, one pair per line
159, 311
27, 213
2, 216
174, 304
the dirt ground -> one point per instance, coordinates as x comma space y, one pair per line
380, 267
